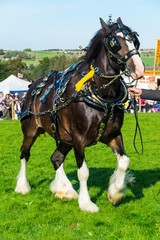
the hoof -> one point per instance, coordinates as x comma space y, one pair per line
23, 188
70, 194
89, 207
63, 191
116, 198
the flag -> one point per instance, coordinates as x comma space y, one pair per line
157, 52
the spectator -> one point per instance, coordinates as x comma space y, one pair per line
6, 113
16, 95
23, 99
1, 97
145, 93
17, 109
143, 105
8, 103
1, 111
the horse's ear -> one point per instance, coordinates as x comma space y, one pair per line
119, 20
104, 25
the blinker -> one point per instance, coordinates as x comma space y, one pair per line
132, 37
113, 43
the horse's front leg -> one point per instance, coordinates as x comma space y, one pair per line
22, 185
84, 200
120, 177
61, 186
30, 135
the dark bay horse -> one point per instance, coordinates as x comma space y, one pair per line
83, 105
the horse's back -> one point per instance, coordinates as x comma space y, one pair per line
29, 98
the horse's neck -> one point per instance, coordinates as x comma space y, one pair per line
105, 65
108, 70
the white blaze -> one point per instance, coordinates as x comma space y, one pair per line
139, 67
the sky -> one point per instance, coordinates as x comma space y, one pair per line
67, 24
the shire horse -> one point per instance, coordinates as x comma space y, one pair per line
83, 105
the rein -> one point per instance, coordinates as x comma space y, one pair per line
137, 129
115, 77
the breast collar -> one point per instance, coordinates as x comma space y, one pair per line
92, 97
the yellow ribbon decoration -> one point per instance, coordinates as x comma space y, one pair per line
80, 85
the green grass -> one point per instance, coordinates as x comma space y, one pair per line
39, 55
42, 54
39, 215
148, 62
31, 62
148, 59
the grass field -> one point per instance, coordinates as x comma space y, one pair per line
39, 215
42, 54
38, 55
148, 59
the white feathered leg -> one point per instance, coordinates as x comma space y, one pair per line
117, 184
22, 183
61, 186
84, 201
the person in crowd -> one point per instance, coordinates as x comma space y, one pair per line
143, 105
145, 93
8, 98
8, 102
1, 97
16, 95
5, 111
23, 96
1, 110
23, 99
17, 108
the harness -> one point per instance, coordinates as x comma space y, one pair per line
85, 88
94, 100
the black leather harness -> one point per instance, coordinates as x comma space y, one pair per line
89, 94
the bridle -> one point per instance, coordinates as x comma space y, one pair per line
112, 45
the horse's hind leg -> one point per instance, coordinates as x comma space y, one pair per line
30, 135
61, 186
118, 181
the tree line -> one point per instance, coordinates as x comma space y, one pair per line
32, 72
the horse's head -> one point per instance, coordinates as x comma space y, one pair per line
122, 45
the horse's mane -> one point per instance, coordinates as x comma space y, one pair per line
97, 42
94, 45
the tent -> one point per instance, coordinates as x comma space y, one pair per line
13, 84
